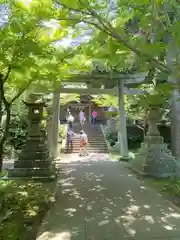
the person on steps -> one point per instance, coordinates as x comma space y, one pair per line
82, 118
83, 143
70, 135
70, 120
94, 116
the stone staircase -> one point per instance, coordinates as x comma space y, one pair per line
97, 143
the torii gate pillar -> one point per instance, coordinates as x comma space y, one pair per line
55, 124
122, 131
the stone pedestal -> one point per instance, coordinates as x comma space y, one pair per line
34, 161
154, 159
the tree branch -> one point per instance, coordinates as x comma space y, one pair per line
8, 116
154, 61
90, 12
151, 74
78, 20
7, 74
112, 32
139, 126
20, 92
70, 8
93, 13
5, 102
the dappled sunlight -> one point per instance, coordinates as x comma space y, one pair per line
57, 236
146, 206
103, 199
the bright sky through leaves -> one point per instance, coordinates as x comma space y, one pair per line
53, 24
3, 14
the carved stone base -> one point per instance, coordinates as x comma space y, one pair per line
32, 173
125, 159
156, 161
26, 163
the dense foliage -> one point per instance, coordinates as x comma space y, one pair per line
131, 36
29, 58
134, 139
18, 132
22, 206
122, 27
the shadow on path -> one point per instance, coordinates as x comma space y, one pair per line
100, 200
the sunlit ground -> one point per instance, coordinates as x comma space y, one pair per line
103, 200
117, 155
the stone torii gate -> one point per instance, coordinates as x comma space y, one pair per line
114, 84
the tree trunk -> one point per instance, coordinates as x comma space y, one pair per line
1, 101
1, 113
175, 123
5, 134
1, 157
5, 131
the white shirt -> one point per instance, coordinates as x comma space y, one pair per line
83, 137
81, 115
70, 118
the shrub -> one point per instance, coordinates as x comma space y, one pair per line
111, 114
134, 141
21, 206
62, 133
18, 131
111, 137
171, 187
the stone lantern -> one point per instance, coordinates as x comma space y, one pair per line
153, 117
34, 161
153, 158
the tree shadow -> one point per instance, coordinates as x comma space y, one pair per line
103, 200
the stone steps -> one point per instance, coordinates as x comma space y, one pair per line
89, 151
96, 139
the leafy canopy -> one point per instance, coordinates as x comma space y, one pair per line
144, 27
28, 55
